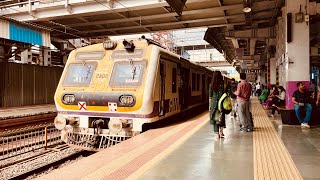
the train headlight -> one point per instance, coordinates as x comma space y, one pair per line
60, 122
109, 45
126, 100
68, 98
115, 126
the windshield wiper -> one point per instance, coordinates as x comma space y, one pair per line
88, 69
133, 68
134, 71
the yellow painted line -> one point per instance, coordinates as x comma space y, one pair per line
125, 159
143, 169
271, 158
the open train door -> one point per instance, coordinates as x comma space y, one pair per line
162, 88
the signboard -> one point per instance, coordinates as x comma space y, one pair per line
112, 106
82, 106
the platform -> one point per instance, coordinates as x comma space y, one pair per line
13, 112
190, 151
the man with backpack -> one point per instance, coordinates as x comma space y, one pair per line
231, 89
243, 99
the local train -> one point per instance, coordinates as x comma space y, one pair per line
108, 91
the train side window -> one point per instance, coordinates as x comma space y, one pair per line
198, 82
174, 80
193, 81
209, 81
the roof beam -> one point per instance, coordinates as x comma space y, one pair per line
157, 16
139, 30
251, 58
56, 10
177, 5
269, 32
154, 26
84, 20
235, 43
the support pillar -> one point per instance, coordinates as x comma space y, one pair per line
41, 57
24, 56
258, 78
273, 71
263, 79
296, 55
46, 57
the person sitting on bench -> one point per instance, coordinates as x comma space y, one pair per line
301, 98
278, 100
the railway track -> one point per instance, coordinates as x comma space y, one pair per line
39, 161
33, 149
12, 122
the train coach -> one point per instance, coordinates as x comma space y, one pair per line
108, 91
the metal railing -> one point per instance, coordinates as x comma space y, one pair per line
87, 141
24, 140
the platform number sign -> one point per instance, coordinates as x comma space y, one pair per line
82, 106
113, 106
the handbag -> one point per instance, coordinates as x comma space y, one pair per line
219, 117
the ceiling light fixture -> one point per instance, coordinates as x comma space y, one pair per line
247, 9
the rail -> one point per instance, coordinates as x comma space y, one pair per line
13, 122
24, 140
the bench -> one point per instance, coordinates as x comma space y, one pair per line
288, 116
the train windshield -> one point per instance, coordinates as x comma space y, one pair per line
79, 74
127, 73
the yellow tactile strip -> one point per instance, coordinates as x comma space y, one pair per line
271, 158
139, 160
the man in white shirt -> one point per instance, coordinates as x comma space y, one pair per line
258, 89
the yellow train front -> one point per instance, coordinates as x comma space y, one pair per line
108, 91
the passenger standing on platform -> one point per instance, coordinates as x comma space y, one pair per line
216, 90
231, 89
258, 89
243, 99
253, 89
301, 98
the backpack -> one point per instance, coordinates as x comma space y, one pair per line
225, 104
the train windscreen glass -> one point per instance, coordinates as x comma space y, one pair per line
79, 74
127, 73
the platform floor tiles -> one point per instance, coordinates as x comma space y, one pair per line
272, 151
202, 157
303, 145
